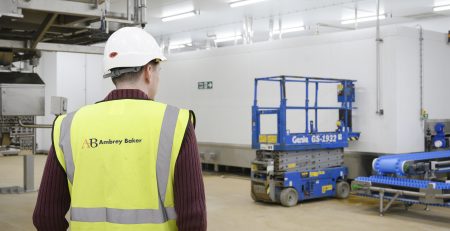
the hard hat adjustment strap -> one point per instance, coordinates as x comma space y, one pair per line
118, 72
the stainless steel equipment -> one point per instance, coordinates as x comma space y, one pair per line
21, 94
21, 99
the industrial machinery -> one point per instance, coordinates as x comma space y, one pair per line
30, 26
22, 98
292, 167
437, 133
413, 178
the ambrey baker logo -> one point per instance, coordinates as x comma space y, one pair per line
94, 142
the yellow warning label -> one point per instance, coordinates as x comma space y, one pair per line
292, 165
254, 167
272, 139
262, 138
316, 174
326, 188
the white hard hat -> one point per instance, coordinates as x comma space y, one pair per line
130, 47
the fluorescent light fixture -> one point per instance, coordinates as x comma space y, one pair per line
226, 39
289, 30
363, 19
180, 45
244, 3
441, 8
180, 16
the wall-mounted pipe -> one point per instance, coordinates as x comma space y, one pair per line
422, 109
379, 41
34, 125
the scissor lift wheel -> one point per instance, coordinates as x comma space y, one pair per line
289, 197
342, 189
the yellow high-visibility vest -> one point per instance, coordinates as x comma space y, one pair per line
120, 157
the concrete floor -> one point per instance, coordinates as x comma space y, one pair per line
231, 208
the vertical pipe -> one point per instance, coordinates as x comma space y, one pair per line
422, 116
143, 13
28, 173
136, 11
271, 23
315, 106
28, 164
307, 106
356, 15
380, 110
128, 10
280, 26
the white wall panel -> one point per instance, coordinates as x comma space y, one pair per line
224, 113
71, 80
96, 86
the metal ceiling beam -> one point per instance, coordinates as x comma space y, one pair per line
53, 47
43, 28
64, 7
70, 48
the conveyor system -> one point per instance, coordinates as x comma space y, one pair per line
426, 164
408, 178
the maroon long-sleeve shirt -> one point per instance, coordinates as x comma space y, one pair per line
53, 200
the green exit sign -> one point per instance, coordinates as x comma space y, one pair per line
205, 85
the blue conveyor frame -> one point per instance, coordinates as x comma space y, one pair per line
392, 182
398, 164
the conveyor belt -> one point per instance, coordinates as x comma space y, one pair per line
404, 182
397, 164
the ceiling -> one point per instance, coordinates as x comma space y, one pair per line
218, 19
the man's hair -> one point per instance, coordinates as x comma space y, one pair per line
133, 77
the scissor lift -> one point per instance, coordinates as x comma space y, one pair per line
292, 167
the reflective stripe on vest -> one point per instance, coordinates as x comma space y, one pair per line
127, 216
66, 146
122, 216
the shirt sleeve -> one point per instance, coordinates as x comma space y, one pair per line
189, 191
53, 200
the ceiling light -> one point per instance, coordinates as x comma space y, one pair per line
180, 16
441, 8
363, 19
289, 30
226, 39
244, 3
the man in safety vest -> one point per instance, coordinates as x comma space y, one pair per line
127, 162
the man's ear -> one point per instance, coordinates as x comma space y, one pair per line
148, 69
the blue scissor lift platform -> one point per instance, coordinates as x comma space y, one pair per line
292, 167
